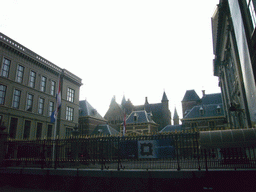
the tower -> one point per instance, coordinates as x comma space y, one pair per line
167, 119
189, 100
176, 118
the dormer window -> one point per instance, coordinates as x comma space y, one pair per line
186, 112
99, 131
135, 117
201, 111
150, 116
218, 109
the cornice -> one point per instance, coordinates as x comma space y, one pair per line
37, 59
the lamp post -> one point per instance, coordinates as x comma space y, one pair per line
75, 131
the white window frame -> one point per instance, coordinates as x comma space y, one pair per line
16, 101
43, 84
32, 79
69, 113
5, 73
41, 105
70, 94
20, 74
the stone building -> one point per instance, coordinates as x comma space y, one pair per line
89, 118
234, 47
139, 123
203, 114
161, 114
28, 87
115, 114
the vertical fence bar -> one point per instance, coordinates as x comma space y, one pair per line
55, 155
205, 156
118, 154
43, 155
177, 152
197, 151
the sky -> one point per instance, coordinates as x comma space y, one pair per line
131, 48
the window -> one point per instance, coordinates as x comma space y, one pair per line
69, 114
6, 68
41, 106
20, 74
252, 12
53, 88
26, 129
2, 94
43, 84
49, 131
211, 124
16, 99
32, 79
51, 107
194, 127
68, 132
29, 105
39, 130
70, 95
201, 110
218, 109
13, 127
135, 117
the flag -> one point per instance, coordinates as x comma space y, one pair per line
58, 98
58, 104
124, 125
52, 117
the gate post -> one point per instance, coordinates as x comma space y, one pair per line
3, 139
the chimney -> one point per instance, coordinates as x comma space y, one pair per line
203, 92
146, 100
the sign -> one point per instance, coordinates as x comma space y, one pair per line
162, 148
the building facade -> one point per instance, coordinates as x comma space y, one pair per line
28, 88
234, 47
89, 118
140, 123
160, 112
203, 114
115, 114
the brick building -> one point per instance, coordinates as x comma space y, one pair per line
203, 114
89, 118
160, 112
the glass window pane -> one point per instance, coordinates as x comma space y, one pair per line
5, 68
2, 94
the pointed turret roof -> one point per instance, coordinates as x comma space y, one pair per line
164, 97
175, 116
113, 100
123, 101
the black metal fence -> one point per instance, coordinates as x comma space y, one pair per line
172, 151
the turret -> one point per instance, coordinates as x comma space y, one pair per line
189, 100
176, 119
164, 98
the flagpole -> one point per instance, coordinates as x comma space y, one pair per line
124, 124
58, 103
54, 144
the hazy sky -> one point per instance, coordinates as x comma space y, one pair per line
136, 48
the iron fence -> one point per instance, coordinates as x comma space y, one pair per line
171, 151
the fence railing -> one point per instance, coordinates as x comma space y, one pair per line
172, 151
